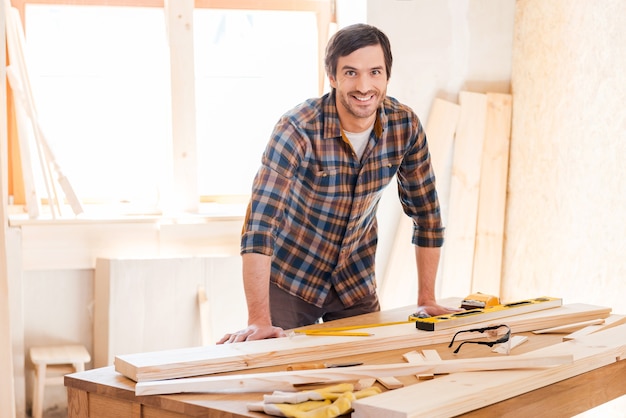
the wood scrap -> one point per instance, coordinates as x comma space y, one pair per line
14, 52
458, 257
440, 129
390, 382
487, 267
364, 383
417, 357
462, 392
268, 382
429, 355
413, 357
609, 322
20, 83
196, 361
565, 329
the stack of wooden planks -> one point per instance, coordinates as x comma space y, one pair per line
458, 393
469, 146
196, 361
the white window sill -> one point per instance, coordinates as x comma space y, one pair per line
97, 214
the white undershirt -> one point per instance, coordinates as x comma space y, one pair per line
359, 140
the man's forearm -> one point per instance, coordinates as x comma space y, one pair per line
427, 259
256, 279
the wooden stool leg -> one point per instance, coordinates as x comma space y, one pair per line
38, 387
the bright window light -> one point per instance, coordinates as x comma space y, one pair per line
251, 67
101, 80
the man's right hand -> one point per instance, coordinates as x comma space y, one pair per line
253, 332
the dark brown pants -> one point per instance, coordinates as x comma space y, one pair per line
290, 311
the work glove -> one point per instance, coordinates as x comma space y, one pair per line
328, 402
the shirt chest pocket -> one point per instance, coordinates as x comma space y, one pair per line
378, 174
329, 183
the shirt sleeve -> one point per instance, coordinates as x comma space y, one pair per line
270, 188
417, 192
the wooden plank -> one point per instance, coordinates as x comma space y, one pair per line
413, 357
164, 313
440, 129
431, 355
7, 383
390, 382
401, 268
462, 392
271, 381
611, 321
458, 255
22, 93
33, 204
567, 398
498, 312
179, 20
487, 267
204, 313
565, 329
195, 361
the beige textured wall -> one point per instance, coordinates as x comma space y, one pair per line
566, 211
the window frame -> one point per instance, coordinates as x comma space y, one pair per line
184, 179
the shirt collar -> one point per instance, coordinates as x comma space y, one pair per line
332, 127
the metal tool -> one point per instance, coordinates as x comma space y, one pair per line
471, 316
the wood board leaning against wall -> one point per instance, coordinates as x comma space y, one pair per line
469, 147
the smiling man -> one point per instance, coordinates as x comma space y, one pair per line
310, 233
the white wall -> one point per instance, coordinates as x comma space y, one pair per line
439, 49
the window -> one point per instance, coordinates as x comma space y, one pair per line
101, 80
250, 68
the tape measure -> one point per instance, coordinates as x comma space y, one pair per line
485, 313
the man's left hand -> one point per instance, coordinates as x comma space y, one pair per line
434, 309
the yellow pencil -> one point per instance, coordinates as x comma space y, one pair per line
335, 333
348, 328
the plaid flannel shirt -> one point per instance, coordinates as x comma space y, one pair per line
313, 203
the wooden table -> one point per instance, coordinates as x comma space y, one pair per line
105, 393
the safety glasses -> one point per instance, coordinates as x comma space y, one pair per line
495, 334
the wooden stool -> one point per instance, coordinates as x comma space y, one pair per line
60, 359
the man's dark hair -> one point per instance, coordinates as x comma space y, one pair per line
351, 38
